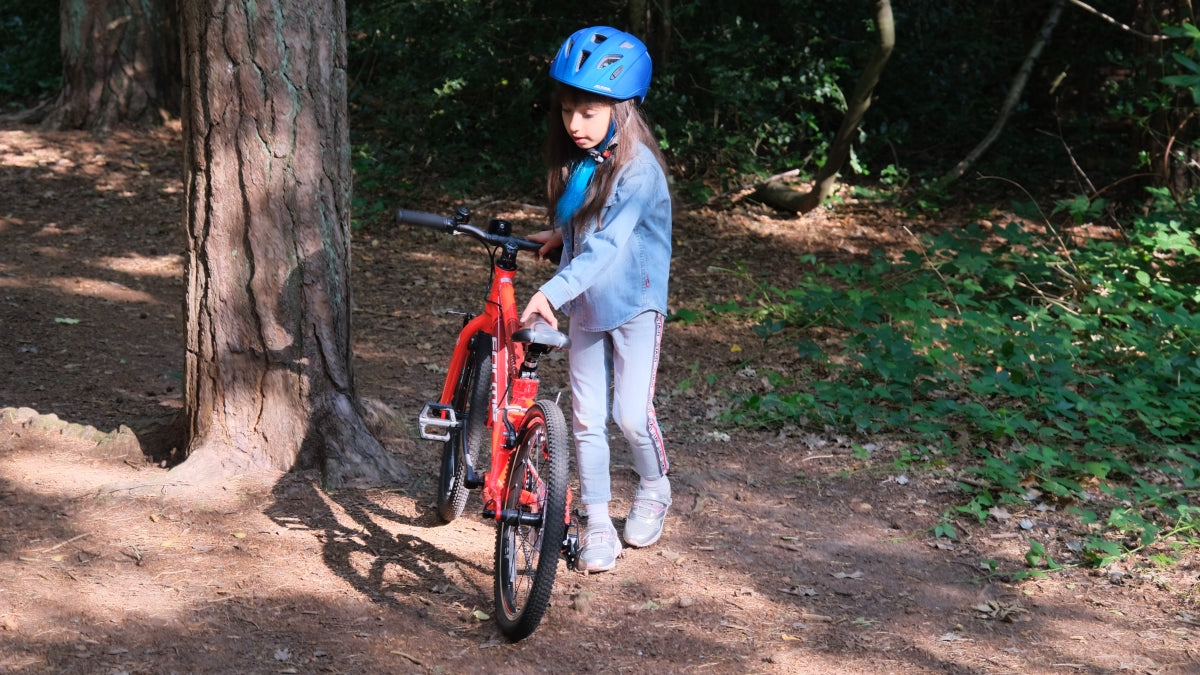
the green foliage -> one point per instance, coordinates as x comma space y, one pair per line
1071, 371
29, 59
453, 95
765, 92
447, 96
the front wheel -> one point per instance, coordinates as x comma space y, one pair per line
533, 524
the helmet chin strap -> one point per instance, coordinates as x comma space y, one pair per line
598, 155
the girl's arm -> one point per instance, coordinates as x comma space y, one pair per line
643, 185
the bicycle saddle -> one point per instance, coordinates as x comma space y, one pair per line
540, 333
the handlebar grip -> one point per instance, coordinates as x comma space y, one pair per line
425, 220
527, 245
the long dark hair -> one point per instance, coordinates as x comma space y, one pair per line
633, 129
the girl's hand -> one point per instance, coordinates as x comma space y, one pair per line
551, 239
539, 307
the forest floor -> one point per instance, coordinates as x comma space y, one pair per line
793, 551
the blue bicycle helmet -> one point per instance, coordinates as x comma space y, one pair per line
604, 61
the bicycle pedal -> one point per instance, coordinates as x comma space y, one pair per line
571, 545
436, 420
570, 551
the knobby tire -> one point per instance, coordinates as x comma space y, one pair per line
472, 397
527, 555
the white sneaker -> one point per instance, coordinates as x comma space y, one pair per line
599, 548
646, 516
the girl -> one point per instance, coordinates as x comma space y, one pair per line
611, 211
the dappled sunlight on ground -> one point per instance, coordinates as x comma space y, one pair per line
104, 290
786, 551
138, 265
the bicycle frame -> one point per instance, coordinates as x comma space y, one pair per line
526, 488
511, 395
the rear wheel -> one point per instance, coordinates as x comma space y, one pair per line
533, 525
472, 396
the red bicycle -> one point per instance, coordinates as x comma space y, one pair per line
489, 400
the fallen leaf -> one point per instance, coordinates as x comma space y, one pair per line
240, 535
480, 615
790, 638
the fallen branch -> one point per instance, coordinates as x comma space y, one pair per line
61, 544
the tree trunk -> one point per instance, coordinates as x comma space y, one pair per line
651, 22
1015, 91
1167, 135
120, 64
268, 383
779, 196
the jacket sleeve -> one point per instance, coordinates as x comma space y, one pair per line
600, 246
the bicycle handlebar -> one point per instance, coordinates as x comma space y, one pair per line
452, 226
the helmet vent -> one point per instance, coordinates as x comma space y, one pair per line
583, 57
616, 73
608, 61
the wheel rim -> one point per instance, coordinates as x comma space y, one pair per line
521, 545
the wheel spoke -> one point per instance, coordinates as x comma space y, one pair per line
526, 564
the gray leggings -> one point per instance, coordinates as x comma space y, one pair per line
625, 359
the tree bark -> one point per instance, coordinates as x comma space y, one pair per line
651, 22
784, 198
120, 64
269, 384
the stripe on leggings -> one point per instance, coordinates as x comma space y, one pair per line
656, 438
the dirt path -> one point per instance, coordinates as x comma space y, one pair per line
791, 552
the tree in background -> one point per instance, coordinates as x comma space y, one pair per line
120, 65
776, 195
1166, 137
269, 384
651, 21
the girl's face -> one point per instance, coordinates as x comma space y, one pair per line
586, 123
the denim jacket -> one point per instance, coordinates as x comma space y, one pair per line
610, 274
